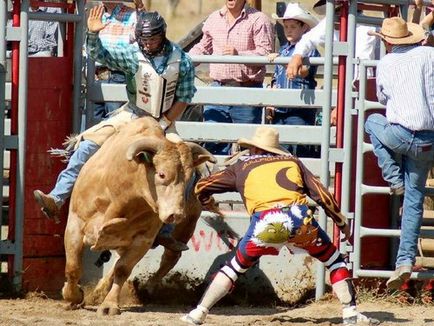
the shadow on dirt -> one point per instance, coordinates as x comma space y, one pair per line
254, 288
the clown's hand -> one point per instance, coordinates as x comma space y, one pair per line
346, 231
209, 204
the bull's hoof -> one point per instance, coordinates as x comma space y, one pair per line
108, 310
73, 294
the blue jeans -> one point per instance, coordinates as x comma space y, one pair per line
229, 114
300, 117
417, 151
66, 179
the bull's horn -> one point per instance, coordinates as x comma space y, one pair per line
148, 144
200, 154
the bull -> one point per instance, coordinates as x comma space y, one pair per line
124, 193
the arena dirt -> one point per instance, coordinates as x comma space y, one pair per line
38, 309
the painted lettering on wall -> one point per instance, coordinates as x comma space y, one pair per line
211, 240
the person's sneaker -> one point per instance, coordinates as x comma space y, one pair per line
399, 276
397, 191
352, 317
47, 204
167, 241
196, 316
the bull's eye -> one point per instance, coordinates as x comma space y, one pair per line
161, 175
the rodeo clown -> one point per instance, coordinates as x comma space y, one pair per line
160, 83
274, 186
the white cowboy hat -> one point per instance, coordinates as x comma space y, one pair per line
294, 11
396, 30
266, 138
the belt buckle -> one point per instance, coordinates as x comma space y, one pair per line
426, 148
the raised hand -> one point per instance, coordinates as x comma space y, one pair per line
94, 22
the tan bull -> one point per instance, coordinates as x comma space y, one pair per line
123, 195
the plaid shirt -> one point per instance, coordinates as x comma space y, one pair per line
125, 59
120, 28
251, 34
43, 34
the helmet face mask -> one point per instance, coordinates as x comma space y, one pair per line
152, 45
150, 32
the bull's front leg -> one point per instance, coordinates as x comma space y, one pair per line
121, 271
183, 233
71, 291
168, 261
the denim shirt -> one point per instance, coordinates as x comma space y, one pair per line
281, 81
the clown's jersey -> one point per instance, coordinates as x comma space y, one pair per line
269, 181
270, 230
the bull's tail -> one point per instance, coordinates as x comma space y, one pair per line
69, 146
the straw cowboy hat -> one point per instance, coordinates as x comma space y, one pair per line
320, 7
294, 11
266, 138
396, 30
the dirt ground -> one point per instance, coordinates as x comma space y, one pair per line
39, 310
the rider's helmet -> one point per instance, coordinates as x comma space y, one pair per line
150, 32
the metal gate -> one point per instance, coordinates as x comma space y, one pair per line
336, 143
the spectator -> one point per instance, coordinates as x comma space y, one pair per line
405, 84
42, 34
236, 29
427, 22
120, 20
153, 57
296, 21
280, 217
365, 44
364, 49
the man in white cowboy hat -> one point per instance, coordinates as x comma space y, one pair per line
274, 186
405, 84
365, 44
296, 21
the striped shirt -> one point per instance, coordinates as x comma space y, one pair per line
405, 84
251, 34
120, 28
125, 59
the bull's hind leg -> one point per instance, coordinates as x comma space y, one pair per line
102, 288
122, 270
73, 248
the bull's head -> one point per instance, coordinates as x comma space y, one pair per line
171, 167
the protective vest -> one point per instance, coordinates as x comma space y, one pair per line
156, 92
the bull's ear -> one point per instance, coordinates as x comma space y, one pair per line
200, 154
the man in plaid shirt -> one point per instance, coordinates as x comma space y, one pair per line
170, 89
236, 29
119, 31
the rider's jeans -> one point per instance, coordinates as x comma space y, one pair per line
66, 179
